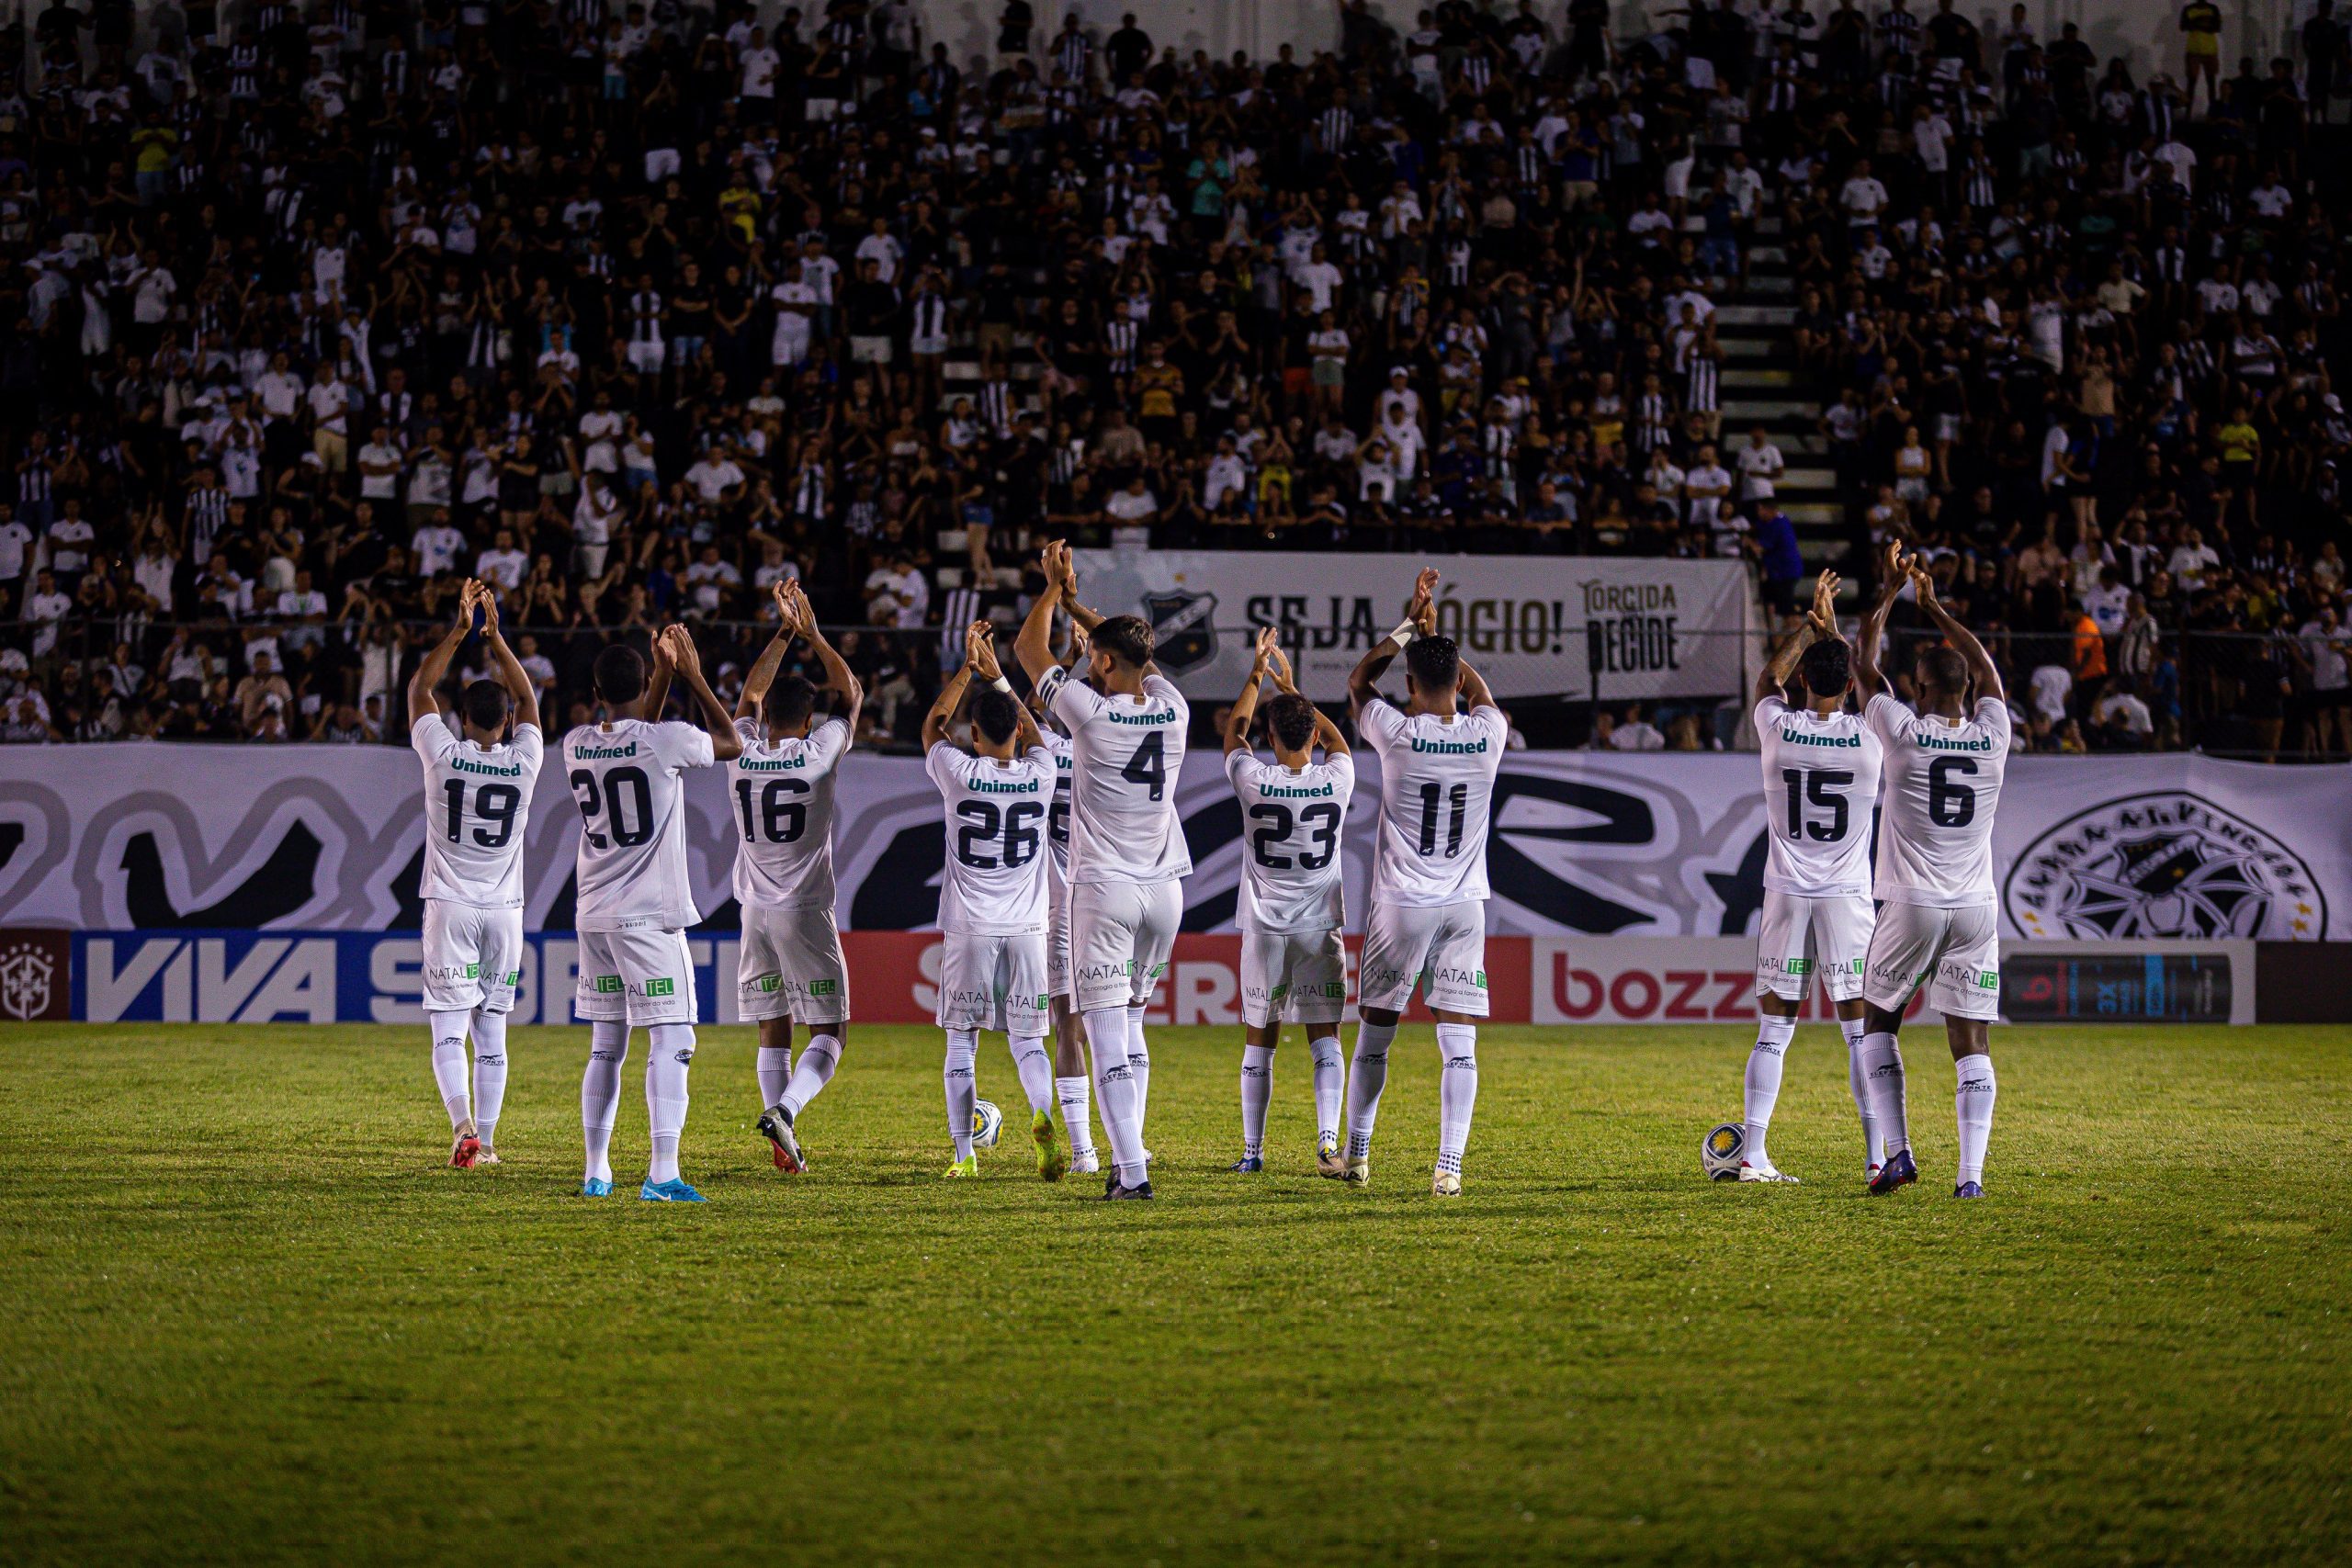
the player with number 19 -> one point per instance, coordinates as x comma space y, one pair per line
1939, 923
789, 967
1821, 768
628, 774
992, 895
477, 802
1292, 899
1127, 857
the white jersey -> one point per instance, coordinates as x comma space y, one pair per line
1943, 780
1820, 782
1057, 819
995, 880
1437, 781
628, 780
781, 796
477, 802
1291, 876
1125, 752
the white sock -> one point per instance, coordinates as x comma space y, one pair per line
773, 1064
962, 1061
1883, 1076
600, 1094
1036, 1069
1973, 1103
449, 1065
667, 1057
1873, 1148
811, 1073
1077, 1119
1106, 1034
1330, 1087
1139, 1064
1257, 1087
1457, 1092
490, 1074
1764, 1064
1367, 1076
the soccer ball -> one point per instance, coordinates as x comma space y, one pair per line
987, 1121
1720, 1150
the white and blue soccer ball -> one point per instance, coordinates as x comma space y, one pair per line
987, 1122
1720, 1152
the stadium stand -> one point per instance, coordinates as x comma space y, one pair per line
310, 311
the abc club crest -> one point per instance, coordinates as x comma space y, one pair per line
1183, 634
2162, 865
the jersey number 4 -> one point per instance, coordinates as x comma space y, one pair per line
1822, 790
494, 808
1148, 765
1323, 821
770, 815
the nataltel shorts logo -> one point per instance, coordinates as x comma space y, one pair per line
2165, 864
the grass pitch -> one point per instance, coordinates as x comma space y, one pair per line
246, 1316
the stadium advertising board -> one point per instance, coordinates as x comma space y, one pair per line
1534, 625
1585, 845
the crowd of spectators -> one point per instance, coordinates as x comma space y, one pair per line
311, 309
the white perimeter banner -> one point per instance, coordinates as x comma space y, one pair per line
132, 836
1534, 625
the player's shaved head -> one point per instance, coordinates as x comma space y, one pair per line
1826, 669
485, 706
995, 715
1126, 639
1433, 662
790, 702
1941, 669
1290, 718
621, 674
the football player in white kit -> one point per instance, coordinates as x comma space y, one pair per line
628, 774
1428, 920
1127, 858
780, 786
477, 802
1821, 767
1072, 1086
993, 899
1939, 924
1292, 900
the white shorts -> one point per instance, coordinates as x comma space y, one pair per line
790, 965
641, 976
1293, 977
1956, 954
1441, 948
1805, 937
473, 957
1059, 979
993, 982
1119, 936
647, 358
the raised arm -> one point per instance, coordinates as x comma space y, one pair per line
435, 665
1981, 668
1245, 706
1420, 617
1820, 623
724, 744
1327, 734
511, 673
657, 682
838, 678
935, 723
1035, 646
771, 659
1892, 573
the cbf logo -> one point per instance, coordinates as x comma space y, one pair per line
2166, 864
1183, 631
27, 980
